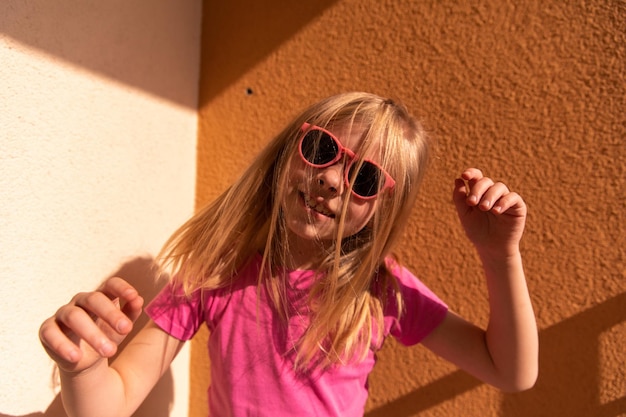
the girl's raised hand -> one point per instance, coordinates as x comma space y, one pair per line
493, 216
91, 326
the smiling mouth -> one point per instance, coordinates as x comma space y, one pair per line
318, 208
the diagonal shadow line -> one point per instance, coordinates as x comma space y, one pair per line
568, 377
237, 34
149, 45
426, 397
573, 366
142, 273
615, 408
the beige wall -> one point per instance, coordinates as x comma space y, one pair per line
98, 128
532, 92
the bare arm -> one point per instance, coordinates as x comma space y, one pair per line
506, 353
86, 332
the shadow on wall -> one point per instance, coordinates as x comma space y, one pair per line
569, 378
142, 274
145, 44
262, 27
105, 37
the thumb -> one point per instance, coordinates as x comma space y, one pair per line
133, 308
459, 195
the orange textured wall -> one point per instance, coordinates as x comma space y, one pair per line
531, 92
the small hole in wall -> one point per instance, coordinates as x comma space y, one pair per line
249, 91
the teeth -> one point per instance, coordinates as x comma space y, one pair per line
317, 207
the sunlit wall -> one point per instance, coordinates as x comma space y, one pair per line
97, 167
531, 92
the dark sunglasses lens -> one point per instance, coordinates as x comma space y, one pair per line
319, 148
367, 179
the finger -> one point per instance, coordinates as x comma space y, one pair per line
491, 195
477, 188
509, 202
133, 308
100, 306
459, 195
462, 184
78, 324
472, 174
127, 297
57, 343
118, 288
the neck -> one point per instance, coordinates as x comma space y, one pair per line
305, 253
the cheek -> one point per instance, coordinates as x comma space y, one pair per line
359, 214
297, 171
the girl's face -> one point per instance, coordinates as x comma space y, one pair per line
315, 196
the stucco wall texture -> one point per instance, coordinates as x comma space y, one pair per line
532, 92
98, 128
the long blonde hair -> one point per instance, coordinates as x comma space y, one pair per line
353, 280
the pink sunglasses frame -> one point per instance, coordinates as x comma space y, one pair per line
389, 181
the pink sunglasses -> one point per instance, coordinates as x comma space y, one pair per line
320, 149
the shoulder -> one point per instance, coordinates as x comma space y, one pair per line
405, 279
175, 295
415, 309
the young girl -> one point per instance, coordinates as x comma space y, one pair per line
291, 268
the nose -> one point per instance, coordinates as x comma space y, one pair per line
330, 179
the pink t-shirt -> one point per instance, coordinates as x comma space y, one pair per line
252, 352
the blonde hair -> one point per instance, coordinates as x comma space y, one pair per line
353, 280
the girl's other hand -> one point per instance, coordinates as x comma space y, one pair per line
493, 216
91, 326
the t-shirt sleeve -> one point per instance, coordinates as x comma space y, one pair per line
178, 315
423, 310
